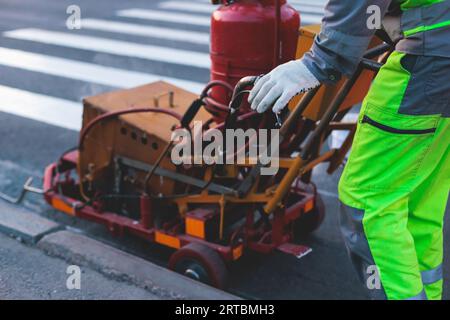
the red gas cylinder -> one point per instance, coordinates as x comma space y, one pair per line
249, 37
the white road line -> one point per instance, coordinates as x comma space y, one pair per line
187, 6
147, 31
317, 3
309, 9
199, 20
121, 48
55, 111
307, 19
86, 71
208, 8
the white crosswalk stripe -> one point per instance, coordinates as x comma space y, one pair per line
148, 31
310, 14
319, 3
156, 15
291, 2
187, 6
208, 8
311, 2
55, 111
308, 19
122, 48
310, 9
85, 71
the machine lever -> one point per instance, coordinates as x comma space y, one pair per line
278, 124
27, 187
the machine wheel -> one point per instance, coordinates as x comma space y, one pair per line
310, 221
200, 263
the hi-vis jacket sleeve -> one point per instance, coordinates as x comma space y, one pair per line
343, 39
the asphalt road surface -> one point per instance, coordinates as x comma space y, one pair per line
27, 273
45, 71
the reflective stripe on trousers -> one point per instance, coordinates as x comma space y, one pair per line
432, 276
421, 296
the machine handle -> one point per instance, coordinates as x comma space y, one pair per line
237, 98
191, 113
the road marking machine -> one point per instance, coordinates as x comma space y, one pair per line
121, 173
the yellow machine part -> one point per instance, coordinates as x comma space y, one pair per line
167, 240
140, 136
195, 227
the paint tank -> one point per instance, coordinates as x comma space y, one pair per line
250, 37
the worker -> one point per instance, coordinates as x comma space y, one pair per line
395, 186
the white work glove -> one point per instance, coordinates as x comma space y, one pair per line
279, 86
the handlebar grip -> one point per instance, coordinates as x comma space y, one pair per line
191, 113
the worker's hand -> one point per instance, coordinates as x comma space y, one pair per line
279, 86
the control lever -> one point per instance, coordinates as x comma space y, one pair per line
27, 187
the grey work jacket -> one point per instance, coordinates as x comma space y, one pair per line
345, 36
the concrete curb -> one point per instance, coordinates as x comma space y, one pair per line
84, 251
79, 249
23, 225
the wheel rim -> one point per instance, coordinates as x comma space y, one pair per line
194, 271
190, 273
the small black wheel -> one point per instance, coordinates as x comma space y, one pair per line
200, 263
310, 221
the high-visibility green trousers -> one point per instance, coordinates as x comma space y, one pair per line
395, 186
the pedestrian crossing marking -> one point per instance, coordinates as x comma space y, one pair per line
200, 20
187, 6
155, 15
208, 8
84, 71
51, 110
147, 31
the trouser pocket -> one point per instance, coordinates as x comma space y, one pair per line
388, 149
386, 128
